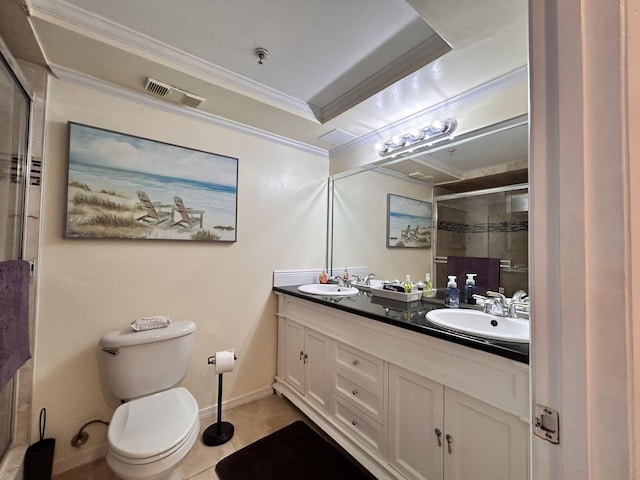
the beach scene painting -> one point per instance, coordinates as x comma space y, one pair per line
122, 186
408, 222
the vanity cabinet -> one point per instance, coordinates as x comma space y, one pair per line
436, 432
406, 405
306, 363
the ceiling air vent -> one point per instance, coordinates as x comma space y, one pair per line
421, 176
159, 89
191, 100
172, 94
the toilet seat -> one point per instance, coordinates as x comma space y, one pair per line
151, 428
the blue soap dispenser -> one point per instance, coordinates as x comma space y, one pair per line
452, 293
470, 288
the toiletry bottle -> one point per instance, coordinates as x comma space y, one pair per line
452, 293
407, 284
427, 282
470, 288
323, 278
345, 275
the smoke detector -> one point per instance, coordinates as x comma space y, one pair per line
171, 93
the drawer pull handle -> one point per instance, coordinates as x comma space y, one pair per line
301, 354
355, 363
439, 436
354, 422
449, 442
354, 391
306, 357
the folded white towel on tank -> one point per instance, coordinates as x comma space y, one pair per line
149, 323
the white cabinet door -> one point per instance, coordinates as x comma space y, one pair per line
415, 425
482, 441
318, 369
438, 433
294, 355
306, 363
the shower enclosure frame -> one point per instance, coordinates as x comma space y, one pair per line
14, 166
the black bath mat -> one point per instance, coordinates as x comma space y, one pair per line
295, 452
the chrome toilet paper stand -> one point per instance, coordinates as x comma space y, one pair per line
219, 432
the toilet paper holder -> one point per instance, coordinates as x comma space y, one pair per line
212, 359
219, 432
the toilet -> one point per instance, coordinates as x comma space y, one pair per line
151, 433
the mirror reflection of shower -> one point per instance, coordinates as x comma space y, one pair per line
490, 223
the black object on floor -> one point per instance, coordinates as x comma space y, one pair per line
38, 459
295, 452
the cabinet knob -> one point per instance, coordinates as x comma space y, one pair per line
306, 357
354, 391
301, 354
449, 442
439, 436
355, 363
354, 422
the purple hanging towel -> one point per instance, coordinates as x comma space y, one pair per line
14, 317
487, 269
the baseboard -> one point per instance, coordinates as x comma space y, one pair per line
236, 402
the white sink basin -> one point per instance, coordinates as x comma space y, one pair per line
328, 289
481, 324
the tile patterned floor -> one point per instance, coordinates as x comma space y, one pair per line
252, 421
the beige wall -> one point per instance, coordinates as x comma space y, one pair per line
90, 287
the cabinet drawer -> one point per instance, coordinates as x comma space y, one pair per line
367, 367
365, 395
368, 431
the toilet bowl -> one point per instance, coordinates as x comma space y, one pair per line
148, 438
150, 435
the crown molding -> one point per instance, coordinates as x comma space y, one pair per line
77, 78
429, 50
70, 16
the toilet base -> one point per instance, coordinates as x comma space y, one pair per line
217, 434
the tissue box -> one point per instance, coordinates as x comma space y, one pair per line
400, 296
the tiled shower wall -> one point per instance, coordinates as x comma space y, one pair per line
485, 227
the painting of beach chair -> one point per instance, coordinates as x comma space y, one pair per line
188, 216
154, 214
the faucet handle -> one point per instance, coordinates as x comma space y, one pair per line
512, 308
498, 295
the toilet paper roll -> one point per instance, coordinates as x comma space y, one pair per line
224, 361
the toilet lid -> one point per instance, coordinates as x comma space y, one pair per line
151, 425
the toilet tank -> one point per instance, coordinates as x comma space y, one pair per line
134, 364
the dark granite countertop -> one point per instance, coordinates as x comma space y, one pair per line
411, 316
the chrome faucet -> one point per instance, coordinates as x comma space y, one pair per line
512, 308
493, 306
519, 296
367, 280
499, 296
339, 280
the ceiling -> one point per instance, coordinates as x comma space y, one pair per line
337, 71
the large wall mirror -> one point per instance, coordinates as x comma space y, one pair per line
489, 158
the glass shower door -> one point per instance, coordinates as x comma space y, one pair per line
14, 133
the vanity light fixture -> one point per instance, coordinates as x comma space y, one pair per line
436, 130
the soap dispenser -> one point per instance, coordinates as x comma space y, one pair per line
452, 293
470, 288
